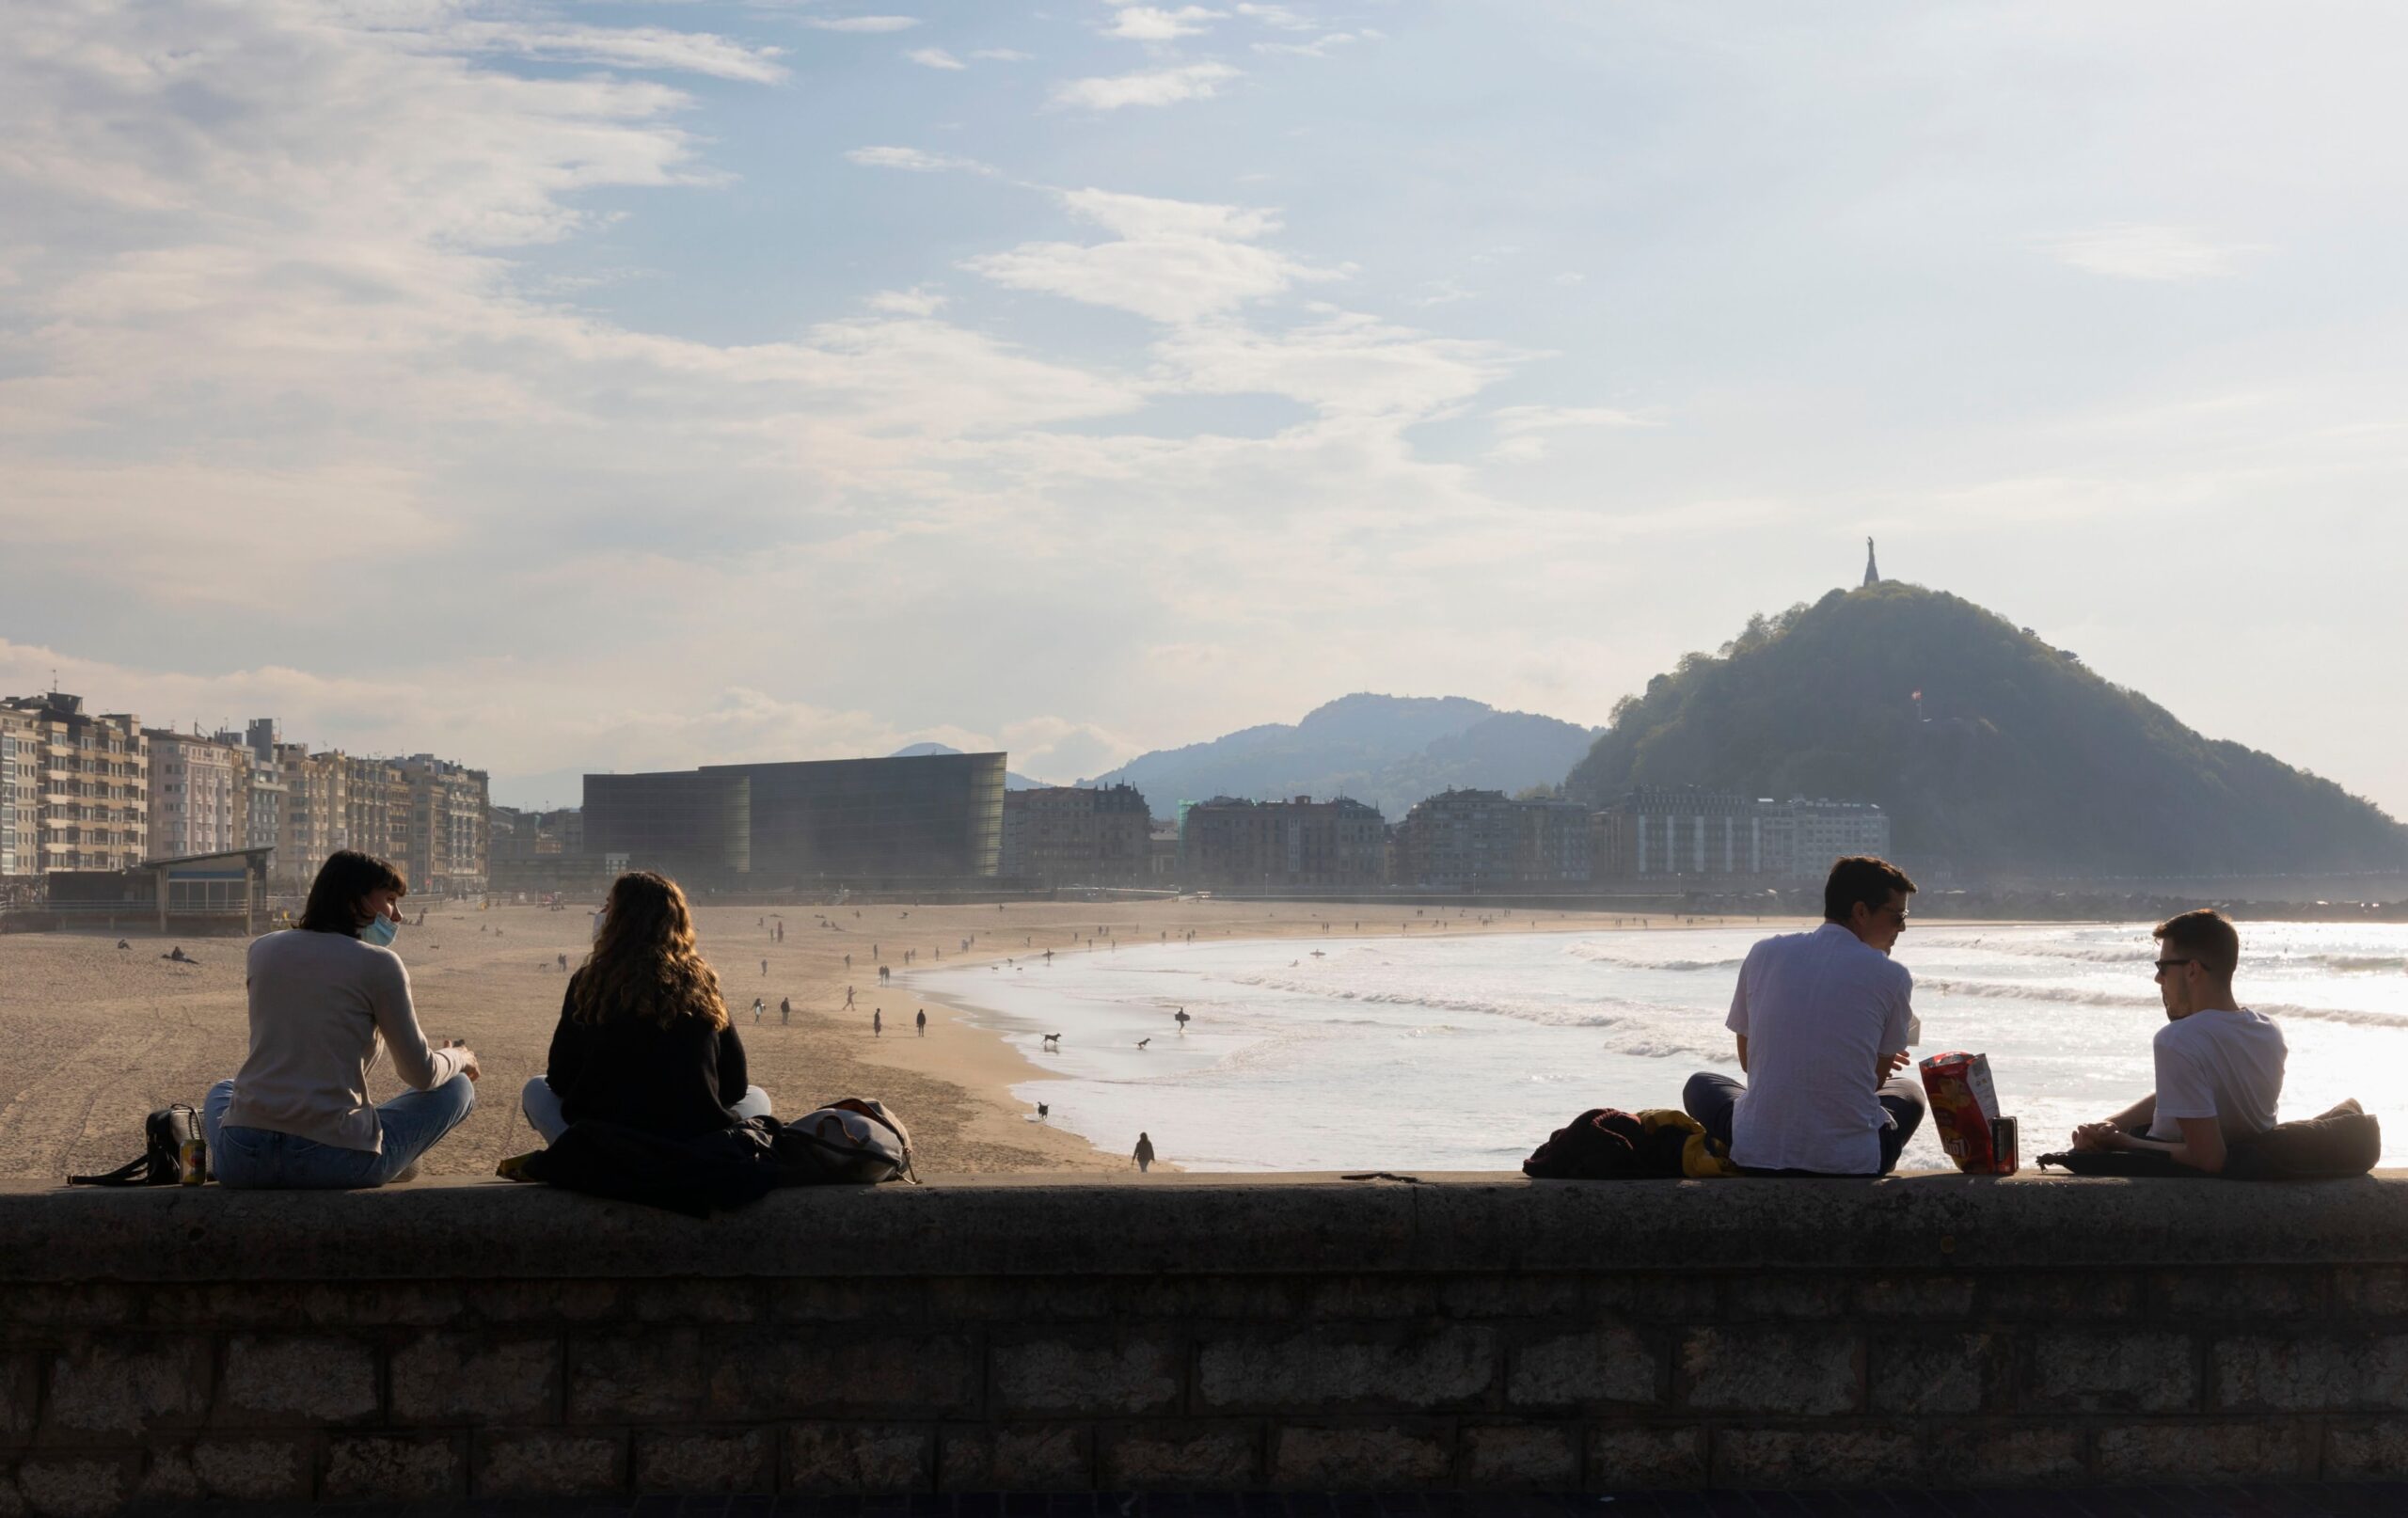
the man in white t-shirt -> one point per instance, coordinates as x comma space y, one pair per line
1823, 1021
2219, 1066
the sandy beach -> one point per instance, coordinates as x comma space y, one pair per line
95, 1036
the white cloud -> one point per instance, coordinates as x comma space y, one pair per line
1319, 47
1155, 23
1441, 292
1522, 431
1172, 261
1279, 16
2132, 250
914, 302
915, 160
1342, 365
1160, 87
1002, 55
1152, 216
934, 57
861, 24
636, 47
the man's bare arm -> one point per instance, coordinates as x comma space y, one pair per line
2136, 1117
2200, 1147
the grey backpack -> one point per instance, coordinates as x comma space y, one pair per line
853, 1140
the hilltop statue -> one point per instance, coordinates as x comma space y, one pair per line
1872, 571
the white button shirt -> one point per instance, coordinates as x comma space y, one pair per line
1819, 1011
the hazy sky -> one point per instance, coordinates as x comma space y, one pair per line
582, 386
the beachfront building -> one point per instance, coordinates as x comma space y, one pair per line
1487, 840
263, 774
1321, 848
199, 795
93, 797
376, 807
1684, 832
315, 820
1162, 855
1697, 838
920, 820
19, 797
1077, 835
539, 852
445, 845
689, 824
1826, 831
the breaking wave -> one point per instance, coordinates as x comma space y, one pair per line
2062, 996
1596, 955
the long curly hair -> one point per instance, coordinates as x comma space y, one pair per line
644, 966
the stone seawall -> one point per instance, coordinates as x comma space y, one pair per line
1199, 1333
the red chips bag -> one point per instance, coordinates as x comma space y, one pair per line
1964, 1104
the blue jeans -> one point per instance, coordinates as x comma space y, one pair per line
261, 1158
542, 1106
1710, 1097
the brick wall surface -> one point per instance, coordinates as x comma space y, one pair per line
1644, 1370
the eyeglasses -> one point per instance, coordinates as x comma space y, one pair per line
2164, 965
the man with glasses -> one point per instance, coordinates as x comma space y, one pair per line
1823, 1021
2219, 1066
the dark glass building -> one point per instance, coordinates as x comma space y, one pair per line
927, 819
692, 824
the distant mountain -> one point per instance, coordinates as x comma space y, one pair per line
1011, 782
2020, 762
1389, 751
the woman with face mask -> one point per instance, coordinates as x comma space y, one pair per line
645, 1040
328, 999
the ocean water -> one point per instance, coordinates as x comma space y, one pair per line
1463, 1054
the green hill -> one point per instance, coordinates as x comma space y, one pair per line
2024, 762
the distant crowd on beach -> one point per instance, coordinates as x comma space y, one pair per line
1823, 1021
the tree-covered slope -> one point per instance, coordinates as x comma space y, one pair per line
2024, 762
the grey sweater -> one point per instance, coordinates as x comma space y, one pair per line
324, 1008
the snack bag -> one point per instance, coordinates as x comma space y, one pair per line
1964, 1106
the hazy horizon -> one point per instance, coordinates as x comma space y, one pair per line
624, 386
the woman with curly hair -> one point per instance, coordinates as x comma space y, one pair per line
645, 1040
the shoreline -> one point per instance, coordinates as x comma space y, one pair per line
1004, 1066
999, 1068
100, 1036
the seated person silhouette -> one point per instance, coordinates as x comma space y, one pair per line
645, 1040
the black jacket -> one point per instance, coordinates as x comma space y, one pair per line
676, 1082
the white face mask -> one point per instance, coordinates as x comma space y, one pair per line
381, 931
598, 921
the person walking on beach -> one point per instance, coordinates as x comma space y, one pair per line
765, 970
878, 1023
848, 998
923, 1021
1822, 1021
1142, 1154
756, 1011
786, 1010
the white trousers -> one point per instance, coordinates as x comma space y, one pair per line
542, 1108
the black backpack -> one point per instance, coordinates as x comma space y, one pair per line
165, 1133
1605, 1144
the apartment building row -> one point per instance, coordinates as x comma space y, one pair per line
1654, 837
99, 791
